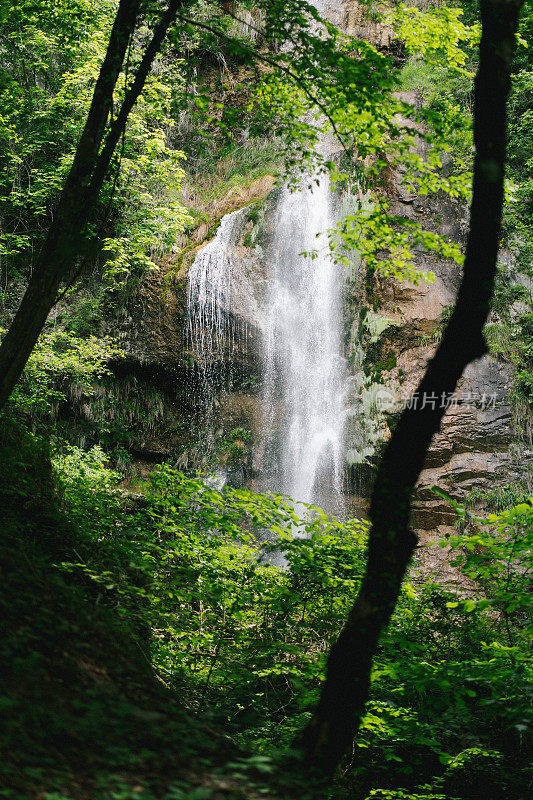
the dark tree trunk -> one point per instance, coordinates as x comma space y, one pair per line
391, 543
66, 236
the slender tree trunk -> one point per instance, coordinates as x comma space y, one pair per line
66, 236
391, 543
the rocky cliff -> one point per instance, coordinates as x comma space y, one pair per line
478, 447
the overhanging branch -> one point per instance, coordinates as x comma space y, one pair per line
391, 542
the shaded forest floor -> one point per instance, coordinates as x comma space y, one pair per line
96, 707
83, 713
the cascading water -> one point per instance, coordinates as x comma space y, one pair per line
209, 321
305, 383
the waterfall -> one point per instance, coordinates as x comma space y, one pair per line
210, 326
304, 377
304, 381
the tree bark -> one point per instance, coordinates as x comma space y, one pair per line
66, 236
391, 542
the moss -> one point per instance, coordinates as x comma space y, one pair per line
236, 452
388, 363
392, 419
253, 215
213, 228
371, 290
376, 324
171, 276
197, 216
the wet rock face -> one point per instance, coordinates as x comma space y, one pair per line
471, 451
356, 20
431, 562
152, 326
473, 448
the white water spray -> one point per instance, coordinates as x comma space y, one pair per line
209, 322
304, 381
304, 374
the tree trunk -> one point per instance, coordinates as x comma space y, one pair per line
66, 236
391, 542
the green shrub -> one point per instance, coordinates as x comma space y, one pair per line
237, 599
476, 774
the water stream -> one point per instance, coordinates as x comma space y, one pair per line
209, 322
211, 326
304, 376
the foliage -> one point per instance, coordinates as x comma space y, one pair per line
208, 577
446, 87
234, 446
236, 164
235, 611
328, 82
501, 558
85, 482
440, 327
498, 499
25, 469
60, 360
512, 339
346, 84
40, 44
151, 214
82, 715
433, 33
374, 232
49, 65
241, 611
229, 596
512, 334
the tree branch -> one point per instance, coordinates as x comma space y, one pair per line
391, 542
277, 65
132, 95
91, 137
65, 238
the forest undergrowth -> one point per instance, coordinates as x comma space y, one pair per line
157, 648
